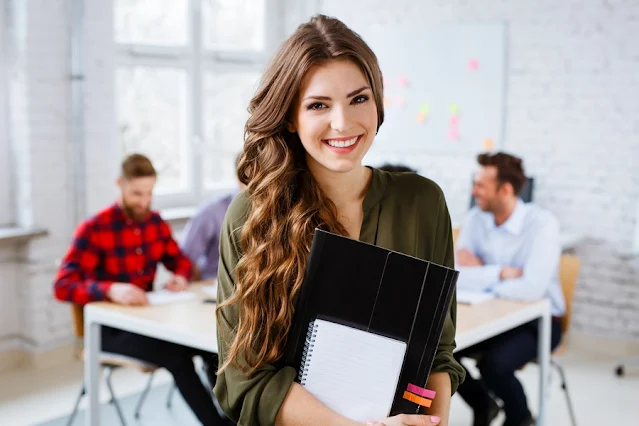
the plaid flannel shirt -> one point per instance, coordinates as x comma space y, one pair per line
111, 247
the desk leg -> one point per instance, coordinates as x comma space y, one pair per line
92, 343
543, 357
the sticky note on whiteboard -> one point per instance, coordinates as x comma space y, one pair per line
489, 145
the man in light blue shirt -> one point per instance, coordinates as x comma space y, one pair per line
512, 250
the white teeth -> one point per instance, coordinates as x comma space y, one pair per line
342, 144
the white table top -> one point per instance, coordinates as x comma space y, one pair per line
192, 323
476, 323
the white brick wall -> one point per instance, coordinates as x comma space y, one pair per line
573, 70
572, 114
42, 136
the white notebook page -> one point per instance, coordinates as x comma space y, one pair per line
353, 372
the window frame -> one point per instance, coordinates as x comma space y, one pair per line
197, 62
7, 199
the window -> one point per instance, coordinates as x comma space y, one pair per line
185, 74
7, 203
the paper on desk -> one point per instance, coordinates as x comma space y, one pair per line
210, 290
163, 297
468, 297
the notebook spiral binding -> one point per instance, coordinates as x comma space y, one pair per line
308, 351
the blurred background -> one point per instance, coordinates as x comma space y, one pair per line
84, 82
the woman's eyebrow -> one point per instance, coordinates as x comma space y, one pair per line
328, 98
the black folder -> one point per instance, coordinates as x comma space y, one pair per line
380, 291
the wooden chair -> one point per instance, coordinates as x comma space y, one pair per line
455, 234
568, 272
111, 361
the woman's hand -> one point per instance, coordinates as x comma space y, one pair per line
408, 420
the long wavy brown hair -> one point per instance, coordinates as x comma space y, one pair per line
286, 204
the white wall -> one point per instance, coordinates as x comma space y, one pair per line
572, 112
41, 135
6, 214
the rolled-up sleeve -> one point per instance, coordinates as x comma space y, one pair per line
258, 398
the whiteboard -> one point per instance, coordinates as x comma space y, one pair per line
444, 87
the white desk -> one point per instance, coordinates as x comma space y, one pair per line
192, 323
477, 323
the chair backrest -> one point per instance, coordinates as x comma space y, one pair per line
568, 272
77, 313
455, 234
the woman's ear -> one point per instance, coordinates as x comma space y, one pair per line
291, 127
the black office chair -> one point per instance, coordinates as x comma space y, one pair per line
526, 193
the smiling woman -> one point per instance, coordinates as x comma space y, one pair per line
312, 120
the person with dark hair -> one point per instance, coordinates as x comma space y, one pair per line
398, 168
510, 249
312, 121
114, 256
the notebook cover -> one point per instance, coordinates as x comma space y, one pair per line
377, 290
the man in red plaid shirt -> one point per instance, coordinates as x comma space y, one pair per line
114, 256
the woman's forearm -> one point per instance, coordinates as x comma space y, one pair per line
300, 408
440, 383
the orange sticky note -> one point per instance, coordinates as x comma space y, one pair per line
421, 117
489, 145
387, 102
417, 399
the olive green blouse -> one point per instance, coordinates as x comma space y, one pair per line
403, 212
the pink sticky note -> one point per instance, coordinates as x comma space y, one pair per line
400, 101
473, 64
453, 128
426, 393
402, 81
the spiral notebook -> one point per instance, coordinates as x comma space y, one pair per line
351, 371
382, 296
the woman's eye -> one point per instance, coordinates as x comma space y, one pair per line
360, 99
316, 106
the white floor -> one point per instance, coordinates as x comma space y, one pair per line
600, 398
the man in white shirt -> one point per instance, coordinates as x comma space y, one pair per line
512, 250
